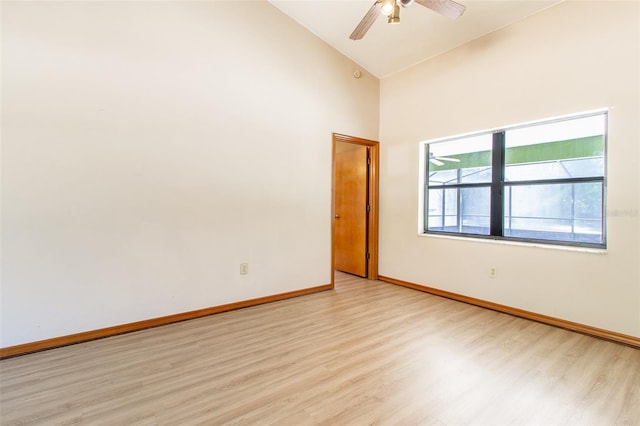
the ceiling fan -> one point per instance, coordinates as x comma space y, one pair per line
439, 161
391, 9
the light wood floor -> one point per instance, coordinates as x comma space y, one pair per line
366, 353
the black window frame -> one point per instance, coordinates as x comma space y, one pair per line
498, 185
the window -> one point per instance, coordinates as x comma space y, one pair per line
542, 182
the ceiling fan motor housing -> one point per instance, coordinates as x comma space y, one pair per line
406, 3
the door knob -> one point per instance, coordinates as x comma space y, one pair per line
337, 216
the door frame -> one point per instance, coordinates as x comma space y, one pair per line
373, 201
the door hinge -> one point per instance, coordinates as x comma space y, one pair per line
368, 256
368, 208
368, 161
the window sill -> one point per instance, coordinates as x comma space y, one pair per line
531, 244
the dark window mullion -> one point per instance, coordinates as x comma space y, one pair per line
497, 185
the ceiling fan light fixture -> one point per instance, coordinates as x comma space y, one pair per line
394, 18
406, 3
388, 7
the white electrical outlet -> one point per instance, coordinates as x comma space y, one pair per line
244, 268
492, 272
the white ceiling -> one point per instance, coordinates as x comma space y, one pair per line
421, 34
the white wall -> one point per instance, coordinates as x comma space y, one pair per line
577, 56
150, 147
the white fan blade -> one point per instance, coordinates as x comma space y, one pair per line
449, 159
436, 162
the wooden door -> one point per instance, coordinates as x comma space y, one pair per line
350, 220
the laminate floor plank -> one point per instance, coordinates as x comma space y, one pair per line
367, 352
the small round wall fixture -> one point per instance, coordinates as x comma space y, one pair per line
357, 73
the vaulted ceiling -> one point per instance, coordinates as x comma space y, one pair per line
421, 34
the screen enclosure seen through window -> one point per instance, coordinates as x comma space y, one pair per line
542, 182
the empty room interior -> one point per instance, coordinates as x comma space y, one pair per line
177, 191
